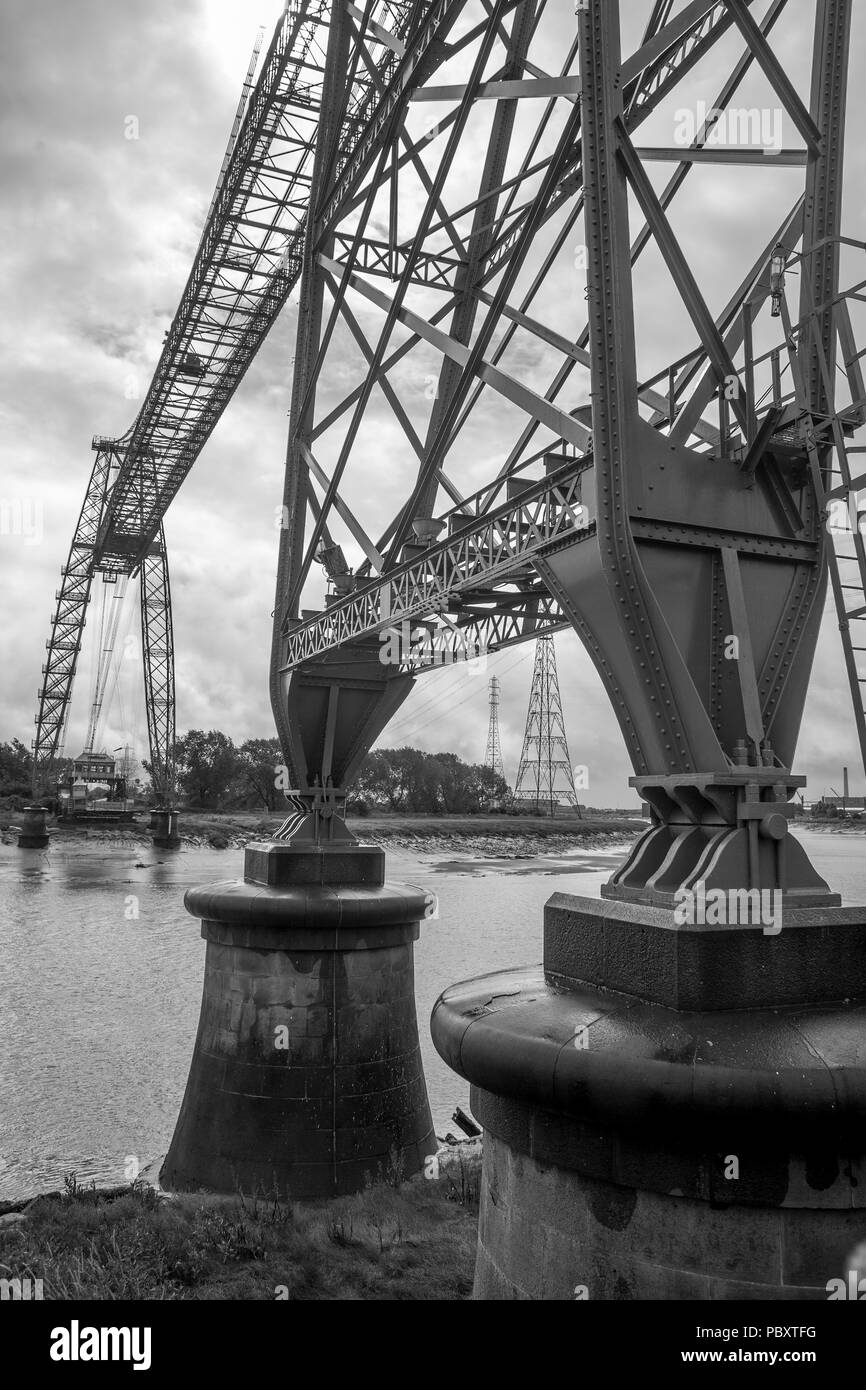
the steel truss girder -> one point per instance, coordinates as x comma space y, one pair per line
157, 641
432, 270
700, 735
480, 551
739, 519
640, 100
177, 416
684, 41
249, 259
474, 636
68, 623
288, 594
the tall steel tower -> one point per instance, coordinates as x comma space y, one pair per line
493, 756
544, 776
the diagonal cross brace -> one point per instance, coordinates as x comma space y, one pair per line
559, 421
707, 328
776, 75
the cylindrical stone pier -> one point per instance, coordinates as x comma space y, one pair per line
165, 833
34, 829
306, 1078
669, 1112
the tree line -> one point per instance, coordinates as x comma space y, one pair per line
213, 773
407, 779
16, 769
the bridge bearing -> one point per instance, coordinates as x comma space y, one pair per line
723, 831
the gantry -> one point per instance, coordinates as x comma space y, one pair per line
463, 194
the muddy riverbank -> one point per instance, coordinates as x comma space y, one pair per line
499, 836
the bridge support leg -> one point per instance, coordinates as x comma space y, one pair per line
306, 1078
670, 1110
164, 828
34, 830
674, 1104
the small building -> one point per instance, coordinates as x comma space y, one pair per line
94, 788
93, 767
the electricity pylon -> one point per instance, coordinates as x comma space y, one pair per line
493, 756
544, 762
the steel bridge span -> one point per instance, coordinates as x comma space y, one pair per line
641, 419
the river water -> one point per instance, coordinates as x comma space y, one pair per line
101, 971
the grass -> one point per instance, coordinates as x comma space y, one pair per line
394, 1241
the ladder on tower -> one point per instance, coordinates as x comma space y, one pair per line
840, 488
847, 522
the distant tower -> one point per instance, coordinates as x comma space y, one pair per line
544, 777
493, 756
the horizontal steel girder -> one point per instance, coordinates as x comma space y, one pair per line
491, 546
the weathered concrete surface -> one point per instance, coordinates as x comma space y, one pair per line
306, 1077
549, 1233
645, 1151
818, 955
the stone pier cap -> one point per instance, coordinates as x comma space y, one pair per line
290, 895
571, 1064
625, 1065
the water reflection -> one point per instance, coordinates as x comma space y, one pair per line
101, 973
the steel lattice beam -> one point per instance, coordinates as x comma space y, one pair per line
314, 189
64, 644
157, 640
478, 552
710, 403
248, 260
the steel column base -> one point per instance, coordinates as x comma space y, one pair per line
34, 830
164, 828
306, 1079
639, 1150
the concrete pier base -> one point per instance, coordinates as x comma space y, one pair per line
34, 828
164, 828
703, 1139
306, 1078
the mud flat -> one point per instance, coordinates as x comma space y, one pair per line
513, 837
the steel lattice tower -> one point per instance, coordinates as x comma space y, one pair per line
545, 759
493, 756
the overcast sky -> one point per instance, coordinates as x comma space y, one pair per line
98, 233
